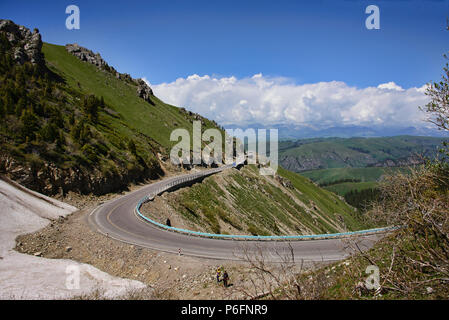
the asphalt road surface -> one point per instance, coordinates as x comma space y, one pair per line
117, 219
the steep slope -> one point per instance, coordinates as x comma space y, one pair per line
68, 124
156, 120
244, 202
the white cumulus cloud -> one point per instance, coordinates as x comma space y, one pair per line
270, 100
390, 86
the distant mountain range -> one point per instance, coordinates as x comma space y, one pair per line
288, 132
323, 153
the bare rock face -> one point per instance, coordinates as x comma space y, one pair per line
143, 90
86, 55
51, 180
123, 76
26, 46
286, 183
192, 116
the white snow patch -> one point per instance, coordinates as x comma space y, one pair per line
27, 277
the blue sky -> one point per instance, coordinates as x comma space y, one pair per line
215, 48
307, 41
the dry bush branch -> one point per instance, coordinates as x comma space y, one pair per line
419, 202
286, 279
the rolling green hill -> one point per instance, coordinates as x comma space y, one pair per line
332, 176
353, 167
344, 180
326, 153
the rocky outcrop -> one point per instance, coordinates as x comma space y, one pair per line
192, 116
286, 183
51, 180
123, 76
86, 55
143, 89
26, 46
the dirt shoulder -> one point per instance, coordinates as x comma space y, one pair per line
171, 276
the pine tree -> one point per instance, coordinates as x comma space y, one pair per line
20, 106
9, 103
72, 119
29, 123
90, 108
49, 132
132, 147
2, 110
60, 139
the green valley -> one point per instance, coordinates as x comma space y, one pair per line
353, 167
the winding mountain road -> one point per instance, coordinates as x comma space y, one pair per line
117, 219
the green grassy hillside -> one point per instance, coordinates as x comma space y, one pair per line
244, 202
344, 180
346, 187
156, 121
332, 176
67, 125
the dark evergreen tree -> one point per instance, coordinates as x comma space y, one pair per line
132, 147
30, 125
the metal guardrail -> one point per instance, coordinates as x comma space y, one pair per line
190, 178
